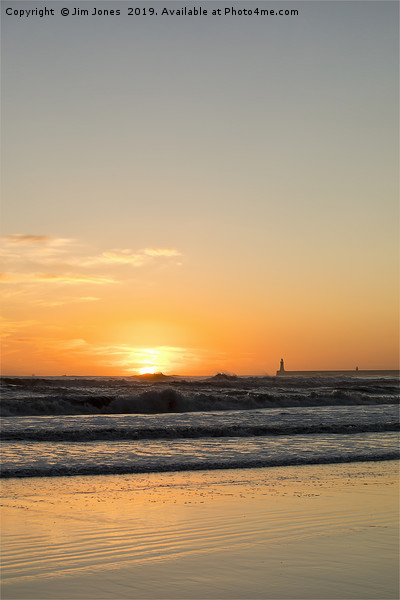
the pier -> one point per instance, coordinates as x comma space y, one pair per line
346, 373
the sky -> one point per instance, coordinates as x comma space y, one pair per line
197, 194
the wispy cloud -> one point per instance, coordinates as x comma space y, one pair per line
161, 252
71, 344
72, 278
65, 300
37, 259
42, 248
11, 326
53, 278
26, 238
23, 249
34, 262
127, 256
23, 242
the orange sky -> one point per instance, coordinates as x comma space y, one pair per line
93, 316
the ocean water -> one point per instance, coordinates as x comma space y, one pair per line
86, 425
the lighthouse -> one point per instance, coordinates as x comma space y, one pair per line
282, 366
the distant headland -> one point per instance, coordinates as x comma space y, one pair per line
350, 373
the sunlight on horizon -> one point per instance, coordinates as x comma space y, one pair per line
147, 370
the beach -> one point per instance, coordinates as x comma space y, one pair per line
311, 531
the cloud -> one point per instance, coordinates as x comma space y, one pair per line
46, 249
86, 299
34, 260
53, 278
25, 238
31, 259
161, 252
65, 300
72, 344
128, 256
9, 326
36, 242
72, 278
29, 248
55, 345
121, 256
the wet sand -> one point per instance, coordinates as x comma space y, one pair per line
320, 531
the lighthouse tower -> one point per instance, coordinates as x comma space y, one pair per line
281, 369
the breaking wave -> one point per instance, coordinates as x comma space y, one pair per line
221, 393
193, 432
65, 471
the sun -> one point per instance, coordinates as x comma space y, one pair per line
147, 370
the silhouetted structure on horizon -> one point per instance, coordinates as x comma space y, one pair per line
283, 373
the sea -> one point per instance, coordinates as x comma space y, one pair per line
66, 426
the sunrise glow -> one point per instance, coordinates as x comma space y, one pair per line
147, 370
